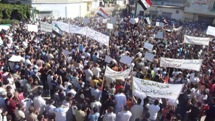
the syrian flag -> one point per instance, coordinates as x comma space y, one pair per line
57, 31
147, 20
102, 13
145, 4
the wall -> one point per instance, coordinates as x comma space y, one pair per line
64, 10
174, 15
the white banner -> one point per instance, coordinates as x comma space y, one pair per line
45, 27
32, 28
155, 89
182, 64
196, 40
159, 35
117, 75
74, 29
210, 31
149, 56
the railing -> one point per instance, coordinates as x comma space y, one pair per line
171, 3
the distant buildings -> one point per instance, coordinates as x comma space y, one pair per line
188, 10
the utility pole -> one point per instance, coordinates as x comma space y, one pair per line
135, 14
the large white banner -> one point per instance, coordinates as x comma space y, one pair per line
4, 27
32, 28
45, 27
92, 34
117, 75
196, 40
182, 64
155, 89
210, 31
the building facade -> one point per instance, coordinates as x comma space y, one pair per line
186, 10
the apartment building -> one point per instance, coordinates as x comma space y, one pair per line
187, 10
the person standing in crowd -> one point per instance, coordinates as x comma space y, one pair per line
137, 110
124, 114
153, 110
109, 115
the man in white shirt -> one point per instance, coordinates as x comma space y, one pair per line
96, 70
110, 115
39, 102
124, 115
60, 112
137, 110
27, 102
153, 110
88, 74
96, 92
95, 104
120, 101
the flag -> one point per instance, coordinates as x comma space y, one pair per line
102, 13
145, 4
147, 20
57, 31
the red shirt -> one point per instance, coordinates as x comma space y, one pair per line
11, 106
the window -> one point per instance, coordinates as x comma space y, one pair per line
213, 8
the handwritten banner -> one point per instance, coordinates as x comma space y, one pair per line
155, 89
182, 64
196, 40
45, 27
117, 75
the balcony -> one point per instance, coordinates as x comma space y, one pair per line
179, 3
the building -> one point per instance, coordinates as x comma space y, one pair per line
64, 8
186, 10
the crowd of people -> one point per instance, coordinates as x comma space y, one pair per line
49, 85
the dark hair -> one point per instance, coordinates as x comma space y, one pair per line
156, 102
95, 110
139, 101
9, 95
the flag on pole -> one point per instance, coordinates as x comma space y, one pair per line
145, 4
147, 20
102, 13
57, 31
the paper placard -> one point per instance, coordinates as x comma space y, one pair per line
149, 56
113, 20
109, 26
32, 28
148, 46
66, 52
126, 59
86, 21
210, 31
108, 59
104, 21
159, 35
159, 24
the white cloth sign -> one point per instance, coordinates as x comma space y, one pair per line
45, 27
196, 40
210, 31
149, 56
159, 24
4, 27
108, 59
109, 26
126, 59
148, 46
182, 64
74, 29
155, 89
117, 75
15, 58
32, 28
159, 35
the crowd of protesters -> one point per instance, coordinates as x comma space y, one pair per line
49, 85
